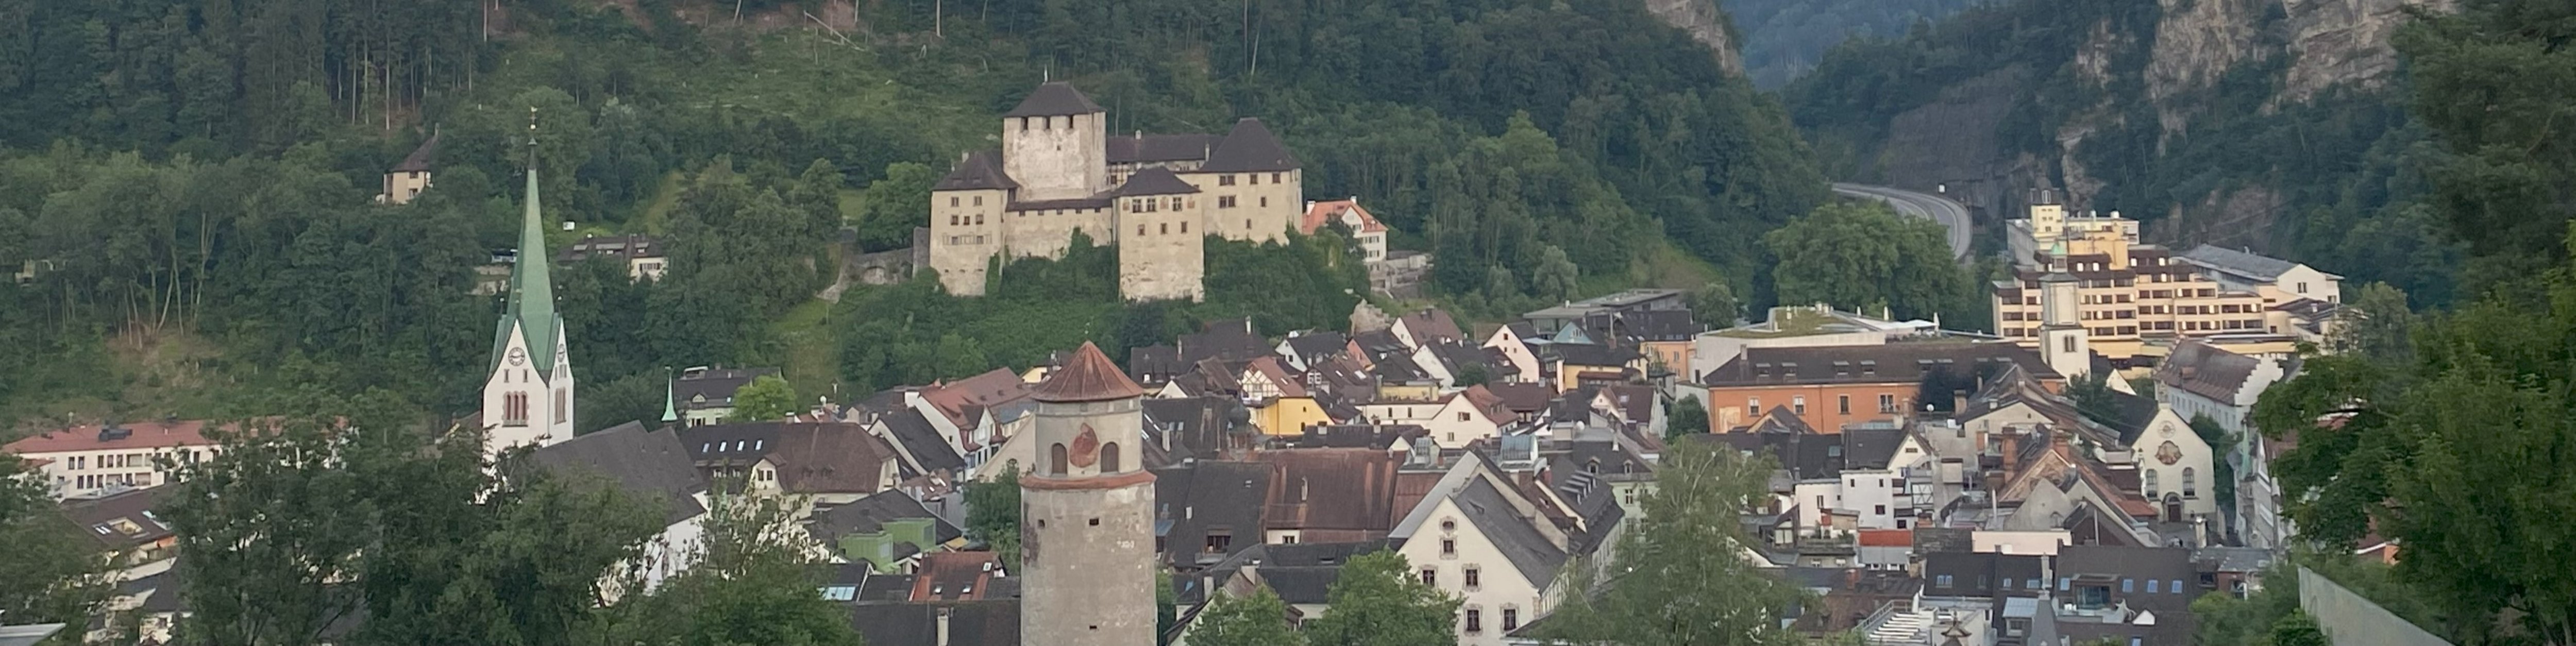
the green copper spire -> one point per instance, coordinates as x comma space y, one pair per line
670, 405
532, 290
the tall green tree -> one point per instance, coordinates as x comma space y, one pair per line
1377, 600
1687, 416
993, 514
1257, 620
749, 583
766, 398
1863, 256
1681, 574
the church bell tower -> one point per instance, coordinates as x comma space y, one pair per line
527, 389
1087, 512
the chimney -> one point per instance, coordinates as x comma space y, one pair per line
1958, 401
943, 627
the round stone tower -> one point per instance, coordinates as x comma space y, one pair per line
1087, 512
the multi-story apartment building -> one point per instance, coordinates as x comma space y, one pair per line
95, 460
2135, 296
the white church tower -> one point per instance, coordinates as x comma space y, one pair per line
2063, 341
527, 395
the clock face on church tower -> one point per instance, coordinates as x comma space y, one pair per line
518, 356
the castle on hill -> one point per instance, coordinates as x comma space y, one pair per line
1154, 196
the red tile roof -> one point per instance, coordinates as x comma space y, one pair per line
144, 435
1087, 376
1332, 210
1886, 538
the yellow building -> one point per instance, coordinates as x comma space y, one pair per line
2132, 295
1289, 415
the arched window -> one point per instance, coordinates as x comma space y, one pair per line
1058, 460
2149, 478
1109, 458
2068, 342
2188, 482
561, 410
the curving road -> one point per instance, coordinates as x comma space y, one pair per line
1922, 205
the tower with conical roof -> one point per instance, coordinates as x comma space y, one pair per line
528, 389
1087, 511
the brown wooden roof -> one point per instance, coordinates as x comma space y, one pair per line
1088, 376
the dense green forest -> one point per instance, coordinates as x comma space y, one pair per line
187, 182
2341, 168
1783, 39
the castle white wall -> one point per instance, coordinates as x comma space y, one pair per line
1056, 158
965, 229
1162, 247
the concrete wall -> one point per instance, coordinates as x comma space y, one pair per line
1056, 158
2350, 620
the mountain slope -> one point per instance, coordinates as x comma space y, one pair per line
2268, 124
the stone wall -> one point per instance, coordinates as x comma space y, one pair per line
1162, 254
1056, 158
966, 229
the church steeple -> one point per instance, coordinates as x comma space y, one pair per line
528, 386
532, 289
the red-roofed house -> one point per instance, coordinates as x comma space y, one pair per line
88, 461
1370, 234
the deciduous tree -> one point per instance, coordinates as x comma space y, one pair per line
1377, 601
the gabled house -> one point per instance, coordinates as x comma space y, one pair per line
705, 395
1206, 511
404, 182
2199, 379
1477, 536
1330, 495
655, 466
1425, 327
825, 463
1366, 232
1592, 364
1831, 386
888, 530
1452, 421
127, 530
917, 439
1520, 364
1303, 350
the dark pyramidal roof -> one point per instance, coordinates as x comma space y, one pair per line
1088, 376
1054, 99
1249, 148
976, 172
1155, 181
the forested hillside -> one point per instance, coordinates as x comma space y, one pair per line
2256, 123
1785, 38
189, 181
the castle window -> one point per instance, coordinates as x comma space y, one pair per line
952, 200
1265, 201
1058, 461
1225, 180
1109, 462
1274, 178
1254, 178
1165, 229
1247, 224
979, 218
1185, 227
979, 200
1024, 124
952, 220
1176, 204
1140, 229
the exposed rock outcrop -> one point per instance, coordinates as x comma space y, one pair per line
2334, 42
2196, 42
1700, 18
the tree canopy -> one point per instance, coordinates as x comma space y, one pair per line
1681, 575
1377, 600
1863, 256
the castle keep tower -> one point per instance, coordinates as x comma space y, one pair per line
1055, 144
1087, 512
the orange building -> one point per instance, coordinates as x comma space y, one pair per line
1831, 386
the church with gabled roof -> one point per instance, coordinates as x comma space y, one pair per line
527, 386
1156, 197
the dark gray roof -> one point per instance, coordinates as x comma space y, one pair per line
1197, 427
1314, 346
647, 463
2242, 263
989, 622
1889, 363
979, 171
2135, 414
929, 450
420, 158
122, 520
1521, 543
1400, 369
1228, 339
1980, 574
811, 457
2206, 370
1594, 503
1155, 181
869, 515
1871, 445
1249, 148
1203, 498
716, 385
1054, 99
1144, 148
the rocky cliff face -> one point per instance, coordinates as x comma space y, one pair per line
1700, 18
2318, 44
